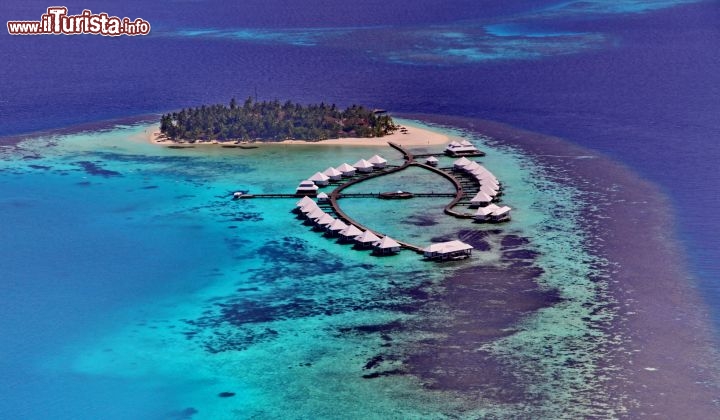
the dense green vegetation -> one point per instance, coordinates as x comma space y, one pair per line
273, 121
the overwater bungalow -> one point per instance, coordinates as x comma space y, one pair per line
363, 165
452, 250
366, 239
305, 201
481, 199
306, 187
484, 214
386, 245
346, 170
322, 198
377, 162
489, 191
350, 232
464, 148
432, 161
336, 227
320, 179
315, 214
471, 167
460, 164
325, 221
333, 174
309, 208
502, 214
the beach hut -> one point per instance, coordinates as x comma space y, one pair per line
501, 214
484, 214
325, 220
366, 239
336, 227
460, 164
320, 179
346, 170
333, 174
448, 250
306, 187
363, 165
350, 232
386, 245
377, 162
480, 199
322, 197
432, 161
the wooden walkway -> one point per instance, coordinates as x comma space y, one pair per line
409, 157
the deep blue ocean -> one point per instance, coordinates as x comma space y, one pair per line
638, 81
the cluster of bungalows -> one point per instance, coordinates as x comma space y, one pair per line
346, 232
462, 148
490, 189
310, 186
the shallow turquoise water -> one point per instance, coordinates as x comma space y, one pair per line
139, 285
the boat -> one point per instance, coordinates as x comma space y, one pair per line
396, 195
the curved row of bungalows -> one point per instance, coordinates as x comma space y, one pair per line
462, 148
492, 213
489, 184
347, 233
452, 250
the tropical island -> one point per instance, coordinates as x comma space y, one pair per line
274, 121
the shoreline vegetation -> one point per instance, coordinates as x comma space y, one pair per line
272, 121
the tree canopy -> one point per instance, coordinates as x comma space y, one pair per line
274, 121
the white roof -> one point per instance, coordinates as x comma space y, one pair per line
309, 207
453, 144
377, 159
465, 143
303, 201
337, 225
351, 230
366, 237
481, 197
362, 163
345, 167
332, 172
387, 242
431, 159
471, 166
319, 176
502, 211
325, 220
484, 211
322, 195
316, 214
463, 161
448, 247
307, 183
488, 190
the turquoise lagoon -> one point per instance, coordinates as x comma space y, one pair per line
138, 284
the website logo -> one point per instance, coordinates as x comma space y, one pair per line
57, 22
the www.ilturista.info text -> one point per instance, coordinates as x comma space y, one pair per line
56, 21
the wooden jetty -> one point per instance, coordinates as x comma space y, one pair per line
465, 188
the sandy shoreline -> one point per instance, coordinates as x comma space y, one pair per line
414, 136
664, 363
